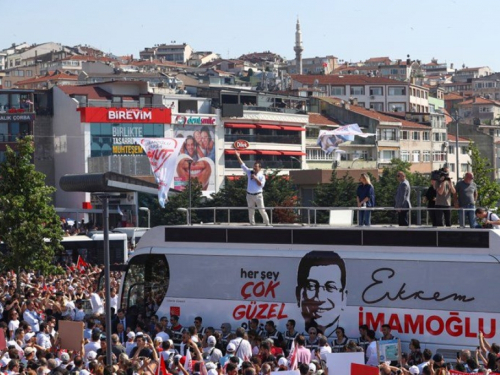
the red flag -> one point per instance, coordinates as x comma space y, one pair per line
161, 369
81, 264
357, 369
455, 372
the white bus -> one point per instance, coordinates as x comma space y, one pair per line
435, 285
91, 249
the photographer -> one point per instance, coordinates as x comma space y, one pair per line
256, 182
444, 191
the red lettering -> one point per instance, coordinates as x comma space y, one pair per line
244, 292
468, 333
454, 330
360, 317
262, 310
239, 312
281, 315
414, 326
493, 328
440, 328
375, 323
272, 311
394, 323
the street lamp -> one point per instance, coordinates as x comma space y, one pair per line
456, 118
190, 161
149, 214
298, 160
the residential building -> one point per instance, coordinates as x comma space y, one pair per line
435, 68
178, 53
48, 81
468, 74
487, 86
380, 94
479, 111
315, 65
464, 159
199, 58
316, 158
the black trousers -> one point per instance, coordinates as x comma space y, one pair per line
403, 218
443, 213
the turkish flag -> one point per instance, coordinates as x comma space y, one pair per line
455, 372
81, 264
357, 369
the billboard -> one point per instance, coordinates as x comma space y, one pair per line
199, 146
125, 115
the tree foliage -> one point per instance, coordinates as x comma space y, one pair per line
487, 188
29, 224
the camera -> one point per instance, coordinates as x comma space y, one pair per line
252, 172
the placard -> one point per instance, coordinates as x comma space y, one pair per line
71, 335
357, 369
3, 341
389, 350
340, 363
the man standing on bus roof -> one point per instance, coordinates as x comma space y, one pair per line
403, 199
321, 290
466, 197
256, 182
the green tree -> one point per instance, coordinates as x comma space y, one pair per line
339, 192
488, 189
29, 224
170, 215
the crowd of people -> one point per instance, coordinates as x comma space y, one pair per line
31, 316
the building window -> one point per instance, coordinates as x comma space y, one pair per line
397, 90
426, 136
338, 90
415, 136
452, 167
377, 106
463, 150
387, 155
376, 91
357, 90
397, 107
361, 104
405, 155
426, 156
439, 137
464, 167
404, 135
451, 149
438, 156
387, 134
318, 154
415, 156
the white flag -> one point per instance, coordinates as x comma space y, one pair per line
329, 140
162, 154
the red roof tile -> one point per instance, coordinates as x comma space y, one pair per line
345, 80
383, 117
56, 76
483, 101
453, 138
92, 92
318, 119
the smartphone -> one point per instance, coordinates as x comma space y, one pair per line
219, 366
458, 355
176, 361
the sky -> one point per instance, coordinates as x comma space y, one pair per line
453, 31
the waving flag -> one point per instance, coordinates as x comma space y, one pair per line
329, 140
162, 154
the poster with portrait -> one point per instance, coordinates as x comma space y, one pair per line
389, 350
199, 146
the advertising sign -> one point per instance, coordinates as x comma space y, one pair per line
198, 146
323, 289
388, 350
125, 115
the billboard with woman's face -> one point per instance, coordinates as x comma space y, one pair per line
199, 146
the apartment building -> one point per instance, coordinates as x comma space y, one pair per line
377, 93
479, 111
179, 53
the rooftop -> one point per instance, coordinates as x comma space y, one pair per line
345, 80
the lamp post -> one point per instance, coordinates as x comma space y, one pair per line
294, 158
149, 214
456, 118
190, 161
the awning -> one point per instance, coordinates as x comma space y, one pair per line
293, 153
293, 128
242, 152
270, 152
241, 126
270, 127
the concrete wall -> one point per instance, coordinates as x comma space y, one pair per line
44, 148
69, 148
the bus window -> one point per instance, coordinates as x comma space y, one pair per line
145, 284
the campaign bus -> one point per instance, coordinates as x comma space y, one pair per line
431, 284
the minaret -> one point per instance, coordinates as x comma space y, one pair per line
298, 48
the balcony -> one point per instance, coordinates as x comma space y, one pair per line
255, 138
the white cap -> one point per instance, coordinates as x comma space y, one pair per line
211, 340
29, 336
212, 372
312, 367
131, 335
210, 366
414, 370
283, 362
91, 355
231, 347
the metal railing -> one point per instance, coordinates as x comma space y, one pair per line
311, 213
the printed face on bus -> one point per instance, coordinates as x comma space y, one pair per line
320, 292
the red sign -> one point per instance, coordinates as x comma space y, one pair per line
357, 369
240, 144
126, 115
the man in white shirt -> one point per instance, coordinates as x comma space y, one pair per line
43, 338
97, 304
243, 347
77, 314
94, 344
32, 317
371, 351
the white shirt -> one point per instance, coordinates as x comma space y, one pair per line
78, 315
243, 348
97, 304
114, 303
164, 336
13, 325
32, 318
92, 346
252, 186
129, 346
43, 339
371, 354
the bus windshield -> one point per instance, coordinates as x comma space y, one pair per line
145, 285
